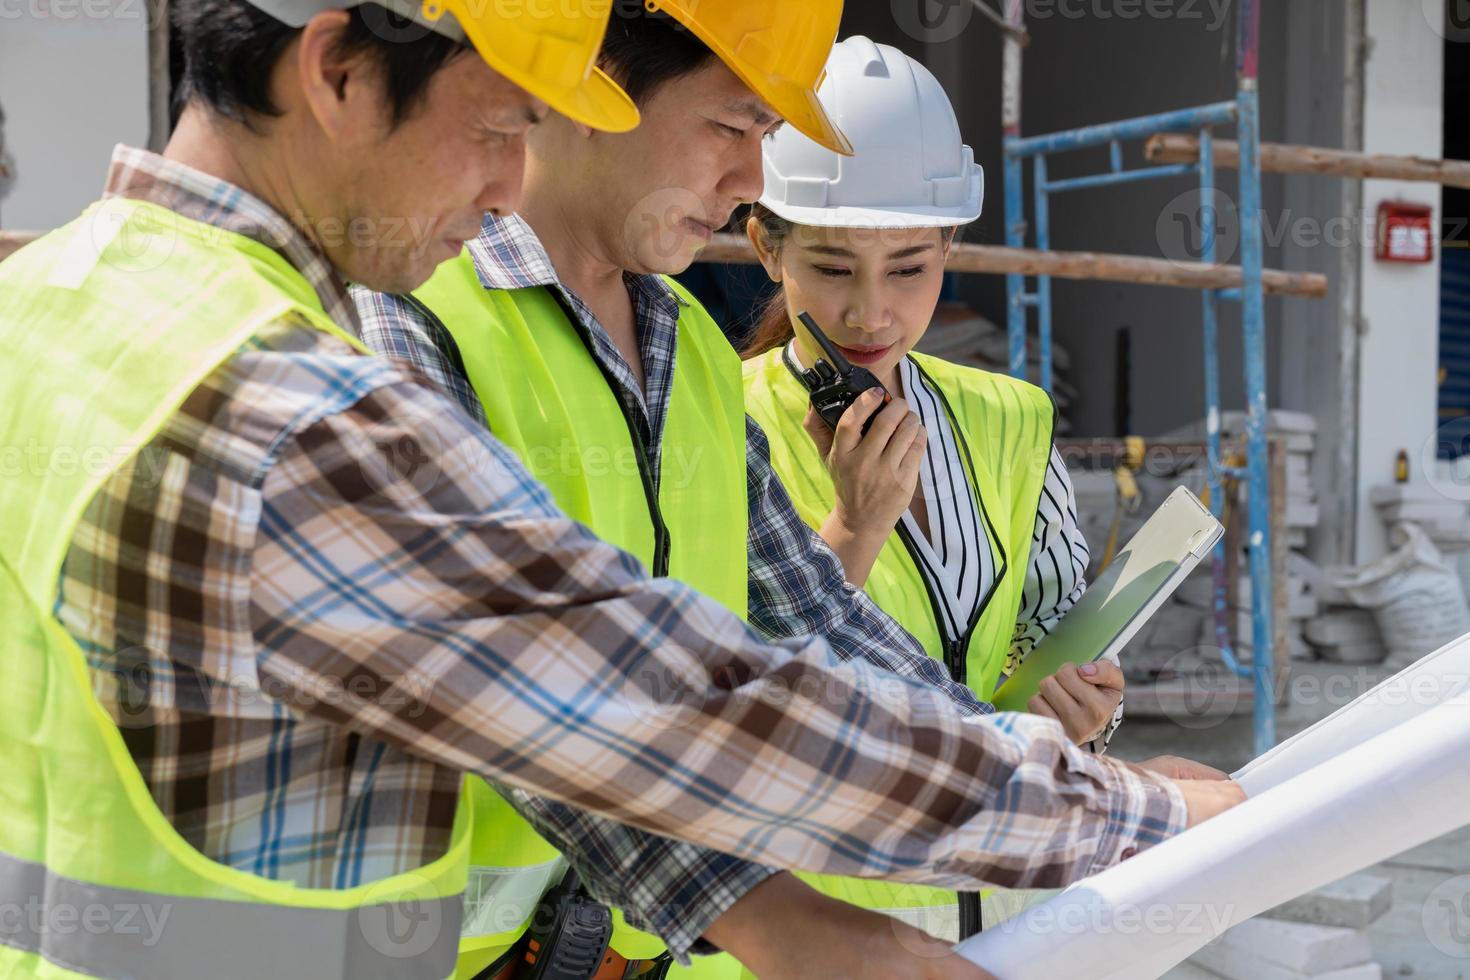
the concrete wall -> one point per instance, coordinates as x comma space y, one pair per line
1402, 113
74, 82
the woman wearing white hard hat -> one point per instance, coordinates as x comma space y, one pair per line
953, 509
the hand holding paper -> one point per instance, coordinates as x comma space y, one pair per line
1083, 698
1380, 776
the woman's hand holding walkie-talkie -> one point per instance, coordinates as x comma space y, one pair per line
874, 475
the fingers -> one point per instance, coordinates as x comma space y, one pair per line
1071, 681
909, 438
1094, 704
1081, 708
1055, 703
1189, 769
893, 448
1178, 768
1038, 706
850, 426
821, 436
1102, 673
892, 432
1086, 692
1056, 693
913, 456
894, 422
1206, 798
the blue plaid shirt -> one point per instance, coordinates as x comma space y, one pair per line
796, 582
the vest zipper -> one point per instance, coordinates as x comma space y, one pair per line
954, 663
971, 920
661, 542
971, 923
953, 653
954, 649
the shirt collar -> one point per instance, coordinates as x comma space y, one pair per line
143, 176
508, 255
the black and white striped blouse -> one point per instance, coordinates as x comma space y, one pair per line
957, 558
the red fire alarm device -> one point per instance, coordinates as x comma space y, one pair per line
1405, 232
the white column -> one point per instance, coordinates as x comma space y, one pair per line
1399, 353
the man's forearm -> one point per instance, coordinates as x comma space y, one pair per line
798, 763
543, 658
786, 930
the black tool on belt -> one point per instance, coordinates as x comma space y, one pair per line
833, 381
569, 935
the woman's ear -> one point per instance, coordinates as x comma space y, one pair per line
770, 259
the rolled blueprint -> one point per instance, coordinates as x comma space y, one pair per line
1386, 794
1433, 680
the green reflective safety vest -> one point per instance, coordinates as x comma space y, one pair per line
1004, 427
546, 397
107, 325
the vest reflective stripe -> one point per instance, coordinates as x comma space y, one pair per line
1007, 425
500, 903
108, 324
546, 397
122, 932
511, 867
501, 900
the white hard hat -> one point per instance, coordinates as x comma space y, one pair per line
910, 168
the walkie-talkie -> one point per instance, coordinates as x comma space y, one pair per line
833, 382
569, 935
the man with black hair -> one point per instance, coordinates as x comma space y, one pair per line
183, 371
559, 329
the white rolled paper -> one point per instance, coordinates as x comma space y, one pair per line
1308, 825
1435, 679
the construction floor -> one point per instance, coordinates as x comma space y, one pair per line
1426, 934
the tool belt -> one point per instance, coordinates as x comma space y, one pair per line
568, 940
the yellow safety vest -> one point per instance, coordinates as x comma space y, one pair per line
106, 326
1004, 427
546, 397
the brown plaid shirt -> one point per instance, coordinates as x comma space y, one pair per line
307, 640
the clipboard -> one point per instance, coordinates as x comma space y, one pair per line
1140, 580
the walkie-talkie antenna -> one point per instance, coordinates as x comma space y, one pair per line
828, 348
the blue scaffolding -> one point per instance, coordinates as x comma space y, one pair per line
1243, 114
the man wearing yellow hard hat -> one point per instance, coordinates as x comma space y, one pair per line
269, 600
576, 353
559, 330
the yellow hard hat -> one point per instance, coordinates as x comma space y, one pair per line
777, 47
549, 48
